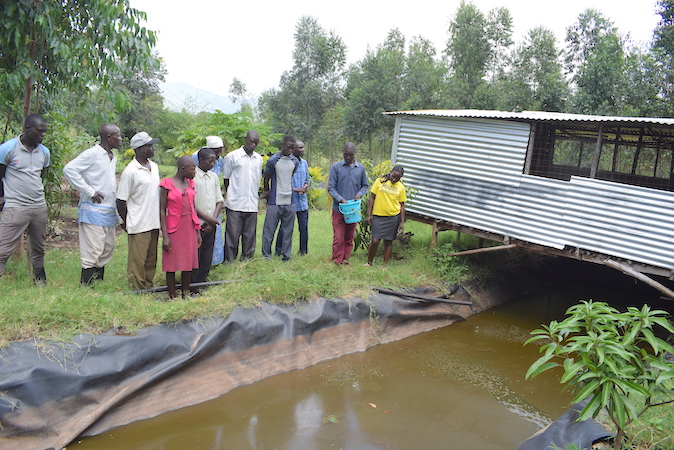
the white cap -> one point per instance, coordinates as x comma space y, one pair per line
214, 142
142, 138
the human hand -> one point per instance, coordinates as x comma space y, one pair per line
166, 244
98, 197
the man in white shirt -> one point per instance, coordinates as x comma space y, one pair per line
208, 203
138, 206
92, 173
242, 173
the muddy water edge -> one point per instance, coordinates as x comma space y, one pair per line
459, 387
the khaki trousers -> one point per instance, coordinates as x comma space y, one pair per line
142, 260
96, 245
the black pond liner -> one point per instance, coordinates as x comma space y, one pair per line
51, 393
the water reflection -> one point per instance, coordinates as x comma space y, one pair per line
460, 387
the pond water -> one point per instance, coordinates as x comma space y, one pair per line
459, 387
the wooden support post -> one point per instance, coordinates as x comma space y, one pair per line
640, 276
434, 234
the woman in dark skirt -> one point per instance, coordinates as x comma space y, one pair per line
386, 212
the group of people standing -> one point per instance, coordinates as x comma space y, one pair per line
185, 207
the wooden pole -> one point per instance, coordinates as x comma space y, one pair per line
422, 297
641, 277
483, 250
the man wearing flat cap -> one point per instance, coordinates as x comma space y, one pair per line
138, 206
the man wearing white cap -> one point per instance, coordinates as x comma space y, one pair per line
138, 206
215, 143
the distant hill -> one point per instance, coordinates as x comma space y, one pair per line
179, 96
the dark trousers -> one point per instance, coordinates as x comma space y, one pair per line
240, 226
302, 227
205, 257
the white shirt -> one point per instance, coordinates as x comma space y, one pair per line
90, 172
207, 185
139, 188
244, 173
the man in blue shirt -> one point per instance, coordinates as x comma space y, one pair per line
348, 181
300, 184
23, 163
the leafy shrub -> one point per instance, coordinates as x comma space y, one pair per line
613, 358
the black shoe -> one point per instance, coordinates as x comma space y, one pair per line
99, 272
39, 276
88, 276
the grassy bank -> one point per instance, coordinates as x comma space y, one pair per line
64, 308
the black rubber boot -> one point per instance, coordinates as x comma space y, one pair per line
87, 276
99, 272
39, 276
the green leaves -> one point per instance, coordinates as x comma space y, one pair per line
609, 356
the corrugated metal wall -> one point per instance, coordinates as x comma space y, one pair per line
469, 172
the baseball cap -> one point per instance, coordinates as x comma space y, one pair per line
142, 138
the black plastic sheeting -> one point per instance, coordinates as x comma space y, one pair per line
565, 432
51, 393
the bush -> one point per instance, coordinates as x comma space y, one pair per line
613, 358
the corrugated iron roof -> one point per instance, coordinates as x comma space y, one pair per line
532, 115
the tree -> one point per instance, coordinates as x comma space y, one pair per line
535, 80
73, 44
375, 85
425, 77
477, 46
468, 51
312, 86
595, 60
613, 358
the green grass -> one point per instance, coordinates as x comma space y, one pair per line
63, 308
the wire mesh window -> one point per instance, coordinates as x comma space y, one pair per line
639, 156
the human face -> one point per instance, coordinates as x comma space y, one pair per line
349, 155
190, 170
250, 143
115, 138
34, 134
207, 163
217, 151
395, 176
145, 151
299, 149
287, 148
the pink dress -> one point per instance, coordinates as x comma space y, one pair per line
183, 256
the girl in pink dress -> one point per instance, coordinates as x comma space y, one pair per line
179, 226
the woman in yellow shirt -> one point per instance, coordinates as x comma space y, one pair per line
386, 212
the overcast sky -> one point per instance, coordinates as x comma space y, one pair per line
209, 42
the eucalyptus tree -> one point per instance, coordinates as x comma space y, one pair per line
535, 80
476, 47
375, 85
68, 44
425, 76
595, 60
312, 86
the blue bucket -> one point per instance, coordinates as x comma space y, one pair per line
351, 211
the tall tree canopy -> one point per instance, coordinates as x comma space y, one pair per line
312, 86
69, 43
595, 59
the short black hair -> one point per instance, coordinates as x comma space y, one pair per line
205, 153
34, 119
